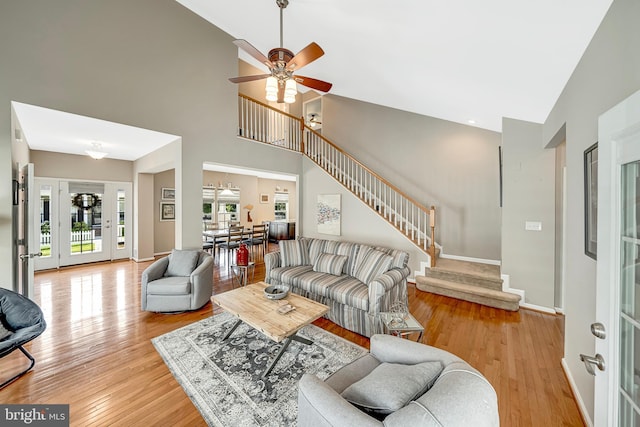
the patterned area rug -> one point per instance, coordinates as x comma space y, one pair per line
223, 379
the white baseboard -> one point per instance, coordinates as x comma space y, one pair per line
423, 266
576, 394
143, 259
161, 253
507, 288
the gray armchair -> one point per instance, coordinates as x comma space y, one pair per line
182, 281
456, 394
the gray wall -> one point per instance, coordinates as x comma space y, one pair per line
58, 165
608, 72
358, 224
529, 195
441, 163
146, 63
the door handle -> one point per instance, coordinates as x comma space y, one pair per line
24, 257
590, 361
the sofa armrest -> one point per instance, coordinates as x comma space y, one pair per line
271, 261
392, 349
383, 284
320, 405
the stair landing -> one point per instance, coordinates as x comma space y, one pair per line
468, 281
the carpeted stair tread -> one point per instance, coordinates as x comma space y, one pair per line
470, 273
477, 294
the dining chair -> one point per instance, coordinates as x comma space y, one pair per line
259, 238
232, 241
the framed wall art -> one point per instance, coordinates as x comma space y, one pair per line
167, 211
329, 214
168, 193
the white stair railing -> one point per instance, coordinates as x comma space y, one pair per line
263, 123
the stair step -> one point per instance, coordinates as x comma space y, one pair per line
477, 294
470, 273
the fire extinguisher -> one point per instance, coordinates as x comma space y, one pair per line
242, 255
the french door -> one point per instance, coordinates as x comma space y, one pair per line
617, 384
82, 221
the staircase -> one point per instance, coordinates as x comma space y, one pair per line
469, 281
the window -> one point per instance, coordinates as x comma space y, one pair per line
281, 206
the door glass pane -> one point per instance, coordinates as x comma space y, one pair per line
120, 214
45, 221
629, 392
86, 217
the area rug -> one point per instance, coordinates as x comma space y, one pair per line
223, 379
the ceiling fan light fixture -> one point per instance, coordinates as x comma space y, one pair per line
271, 89
290, 88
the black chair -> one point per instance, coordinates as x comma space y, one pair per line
22, 321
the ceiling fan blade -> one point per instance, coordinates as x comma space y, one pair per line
251, 50
305, 56
280, 93
248, 78
313, 83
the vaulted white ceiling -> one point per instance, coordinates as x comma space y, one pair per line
459, 60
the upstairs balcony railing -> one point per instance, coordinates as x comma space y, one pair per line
263, 123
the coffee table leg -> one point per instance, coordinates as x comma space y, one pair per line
283, 349
233, 328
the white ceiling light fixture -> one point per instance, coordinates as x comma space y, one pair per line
96, 151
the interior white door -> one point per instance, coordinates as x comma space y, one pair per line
617, 388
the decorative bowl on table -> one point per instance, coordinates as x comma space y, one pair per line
276, 292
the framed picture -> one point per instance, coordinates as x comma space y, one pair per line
329, 214
168, 193
591, 201
264, 198
167, 211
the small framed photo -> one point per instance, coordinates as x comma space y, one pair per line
167, 211
168, 193
264, 198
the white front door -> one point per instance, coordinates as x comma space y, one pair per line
82, 221
617, 388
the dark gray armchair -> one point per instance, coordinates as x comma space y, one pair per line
419, 385
180, 282
21, 320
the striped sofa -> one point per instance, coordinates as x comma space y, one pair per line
356, 281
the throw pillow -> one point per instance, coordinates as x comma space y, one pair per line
182, 263
390, 386
331, 264
293, 253
372, 265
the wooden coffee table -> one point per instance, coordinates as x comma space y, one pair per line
251, 307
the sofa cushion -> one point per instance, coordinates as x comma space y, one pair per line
329, 263
290, 275
373, 264
316, 247
182, 263
400, 258
293, 253
390, 386
344, 248
318, 283
350, 291
176, 285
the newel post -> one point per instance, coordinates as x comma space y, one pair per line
432, 224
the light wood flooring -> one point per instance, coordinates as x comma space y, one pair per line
96, 353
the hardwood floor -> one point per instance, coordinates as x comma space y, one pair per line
96, 353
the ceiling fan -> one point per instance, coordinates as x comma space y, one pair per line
282, 63
314, 120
